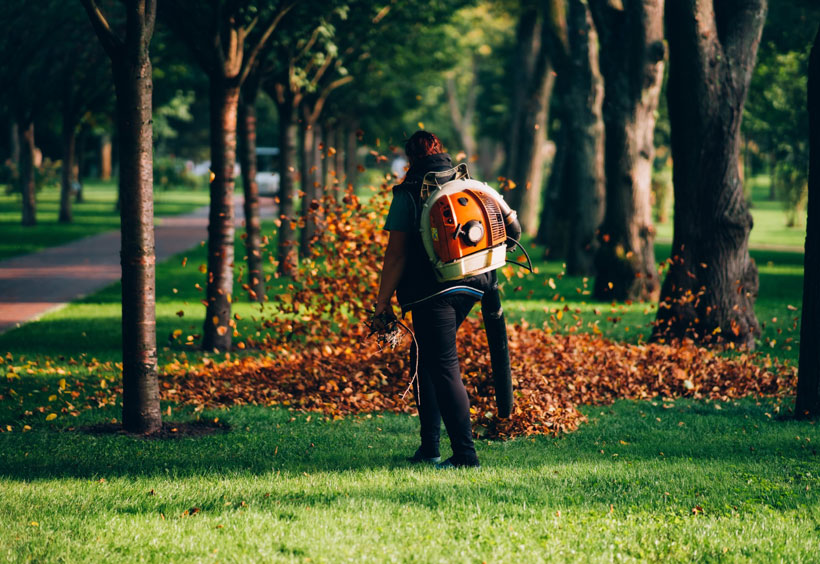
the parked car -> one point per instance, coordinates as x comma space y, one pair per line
267, 167
267, 170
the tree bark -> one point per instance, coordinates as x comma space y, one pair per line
133, 85
808, 376
351, 158
253, 224
14, 143
712, 282
105, 156
80, 162
326, 135
287, 255
632, 59
462, 118
67, 176
307, 173
529, 127
339, 162
27, 164
224, 101
554, 221
525, 53
583, 175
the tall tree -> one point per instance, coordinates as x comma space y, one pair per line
808, 376
226, 38
632, 57
576, 190
712, 282
24, 93
83, 84
131, 65
534, 80
250, 188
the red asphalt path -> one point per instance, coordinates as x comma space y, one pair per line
35, 284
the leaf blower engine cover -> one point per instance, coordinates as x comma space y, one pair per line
463, 228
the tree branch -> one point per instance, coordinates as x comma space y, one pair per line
320, 101
112, 44
308, 46
251, 57
150, 17
739, 26
321, 70
452, 102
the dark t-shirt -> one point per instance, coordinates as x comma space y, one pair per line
418, 283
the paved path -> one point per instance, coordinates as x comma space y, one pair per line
35, 284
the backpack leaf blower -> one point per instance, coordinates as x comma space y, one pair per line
466, 229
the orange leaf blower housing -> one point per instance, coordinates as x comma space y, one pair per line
464, 225
465, 222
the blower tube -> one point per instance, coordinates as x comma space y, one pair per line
496, 331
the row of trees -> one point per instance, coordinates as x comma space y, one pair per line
296, 53
606, 60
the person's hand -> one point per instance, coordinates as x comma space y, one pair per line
382, 316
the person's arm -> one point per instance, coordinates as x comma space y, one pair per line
392, 269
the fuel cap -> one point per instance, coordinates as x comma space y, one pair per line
473, 232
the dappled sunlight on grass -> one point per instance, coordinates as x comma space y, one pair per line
660, 480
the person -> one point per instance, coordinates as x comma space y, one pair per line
438, 309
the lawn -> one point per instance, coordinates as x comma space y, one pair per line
665, 479
661, 480
95, 214
770, 230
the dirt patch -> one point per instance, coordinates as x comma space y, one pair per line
169, 430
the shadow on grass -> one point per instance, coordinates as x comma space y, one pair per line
264, 440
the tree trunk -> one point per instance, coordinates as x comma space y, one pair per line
490, 154
462, 118
553, 223
529, 127
253, 224
632, 59
326, 134
808, 377
105, 156
525, 53
307, 172
287, 255
14, 142
140, 402
224, 100
339, 162
712, 282
67, 177
80, 162
27, 181
584, 168
351, 158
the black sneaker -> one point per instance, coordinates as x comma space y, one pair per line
421, 457
454, 462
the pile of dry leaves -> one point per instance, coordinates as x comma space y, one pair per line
552, 375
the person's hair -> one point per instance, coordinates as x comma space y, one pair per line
421, 144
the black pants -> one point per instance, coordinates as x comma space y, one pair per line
441, 394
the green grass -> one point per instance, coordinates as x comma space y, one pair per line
279, 487
770, 230
95, 214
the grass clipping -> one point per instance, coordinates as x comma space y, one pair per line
315, 355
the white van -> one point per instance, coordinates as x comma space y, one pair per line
267, 170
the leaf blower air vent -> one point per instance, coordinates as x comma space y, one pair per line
464, 225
